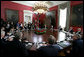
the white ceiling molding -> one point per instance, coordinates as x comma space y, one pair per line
31, 3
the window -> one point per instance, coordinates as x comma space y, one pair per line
62, 18
62, 23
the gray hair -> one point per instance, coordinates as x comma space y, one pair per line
17, 35
2, 32
51, 39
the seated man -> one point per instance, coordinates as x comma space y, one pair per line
2, 43
50, 49
77, 47
82, 36
71, 30
29, 26
79, 31
60, 28
2, 28
14, 47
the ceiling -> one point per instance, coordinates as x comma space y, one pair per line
49, 3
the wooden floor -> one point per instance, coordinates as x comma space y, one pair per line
32, 37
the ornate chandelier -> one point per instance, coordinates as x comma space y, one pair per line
40, 7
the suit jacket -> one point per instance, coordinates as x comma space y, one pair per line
71, 31
2, 46
49, 50
77, 47
29, 26
15, 48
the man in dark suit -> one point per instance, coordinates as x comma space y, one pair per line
79, 31
50, 49
14, 47
71, 30
2, 42
12, 25
29, 26
60, 28
77, 47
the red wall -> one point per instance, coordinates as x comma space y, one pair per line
73, 3
14, 6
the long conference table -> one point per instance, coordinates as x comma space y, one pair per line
64, 45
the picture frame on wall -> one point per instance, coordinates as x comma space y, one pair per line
12, 15
77, 15
51, 18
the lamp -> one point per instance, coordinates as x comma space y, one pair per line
40, 7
